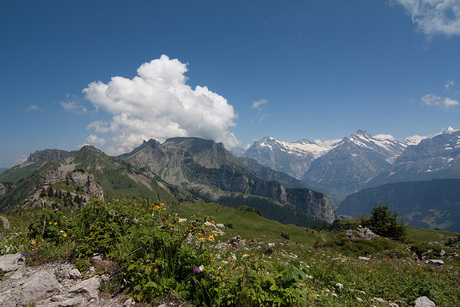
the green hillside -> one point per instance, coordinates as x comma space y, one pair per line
177, 252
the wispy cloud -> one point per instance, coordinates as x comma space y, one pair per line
157, 103
437, 101
449, 84
33, 107
434, 17
259, 104
261, 118
74, 107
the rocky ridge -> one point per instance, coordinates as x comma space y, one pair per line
211, 172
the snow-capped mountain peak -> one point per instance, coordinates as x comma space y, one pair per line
301, 148
450, 130
385, 144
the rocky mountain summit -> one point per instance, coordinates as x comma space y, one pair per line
338, 167
211, 172
432, 158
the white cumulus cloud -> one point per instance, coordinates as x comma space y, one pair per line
158, 104
437, 101
94, 139
434, 17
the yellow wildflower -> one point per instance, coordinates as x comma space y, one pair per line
50, 223
55, 223
211, 237
202, 240
64, 235
156, 207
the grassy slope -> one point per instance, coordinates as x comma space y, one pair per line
396, 278
247, 224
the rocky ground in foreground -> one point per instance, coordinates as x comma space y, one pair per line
53, 284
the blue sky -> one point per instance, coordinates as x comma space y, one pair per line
112, 73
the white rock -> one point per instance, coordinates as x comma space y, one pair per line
435, 261
424, 301
13, 265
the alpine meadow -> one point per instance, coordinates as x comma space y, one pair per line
230, 153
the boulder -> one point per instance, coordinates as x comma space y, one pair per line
435, 261
424, 301
13, 265
361, 233
40, 285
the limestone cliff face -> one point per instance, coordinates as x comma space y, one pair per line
208, 168
87, 183
313, 203
48, 154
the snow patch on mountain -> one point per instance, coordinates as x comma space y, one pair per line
299, 148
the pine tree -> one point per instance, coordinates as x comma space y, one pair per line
50, 192
385, 223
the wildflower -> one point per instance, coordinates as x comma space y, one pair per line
50, 223
202, 240
156, 207
55, 223
64, 234
196, 270
211, 237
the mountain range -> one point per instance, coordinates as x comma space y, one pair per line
180, 169
360, 161
287, 182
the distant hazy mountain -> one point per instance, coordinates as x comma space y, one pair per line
352, 163
432, 158
336, 168
428, 204
293, 158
